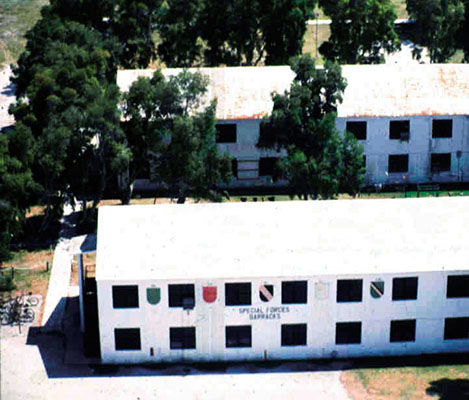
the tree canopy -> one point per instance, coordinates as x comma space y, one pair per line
320, 160
172, 135
361, 31
438, 25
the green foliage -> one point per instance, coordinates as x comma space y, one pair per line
360, 31
320, 161
438, 24
172, 136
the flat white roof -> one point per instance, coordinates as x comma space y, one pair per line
282, 239
372, 90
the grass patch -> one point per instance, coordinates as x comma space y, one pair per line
309, 46
401, 9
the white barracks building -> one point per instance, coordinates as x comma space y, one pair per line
283, 280
413, 120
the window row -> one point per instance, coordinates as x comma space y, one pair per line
240, 336
292, 292
439, 162
400, 129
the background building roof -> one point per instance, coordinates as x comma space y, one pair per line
372, 90
282, 239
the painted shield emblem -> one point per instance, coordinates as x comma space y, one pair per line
266, 292
153, 295
209, 293
377, 289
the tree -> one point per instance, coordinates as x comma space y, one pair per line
437, 24
172, 135
361, 31
320, 161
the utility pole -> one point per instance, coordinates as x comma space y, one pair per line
317, 24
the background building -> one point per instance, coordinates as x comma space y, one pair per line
413, 120
284, 280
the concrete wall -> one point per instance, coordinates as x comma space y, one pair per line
320, 314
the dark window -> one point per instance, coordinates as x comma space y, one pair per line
458, 286
127, 338
226, 133
267, 166
403, 330
440, 162
182, 338
294, 335
125, 296
364, 162
399, 130
181, 296
404, 288
442, 128
358, 128
349, 290
348, 332
398, 163
457, 328
234, 167
238, 336
237, 294
295, 292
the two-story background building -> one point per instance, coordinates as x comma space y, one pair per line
413, 120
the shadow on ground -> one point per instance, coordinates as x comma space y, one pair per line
449, 389
63, 357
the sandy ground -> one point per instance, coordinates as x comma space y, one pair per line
37, 371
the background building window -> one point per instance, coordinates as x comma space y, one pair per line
442, 128
457, 328
226, 133
348, 333
234, 167
403, 330
238, 336
404, 288
295, 292
398, 163
182, 338
440, 162
399, 130
458, 286
125, 296
127, 338
294, 335
349, 290
181, 296
358, 128
238, 294
267, 166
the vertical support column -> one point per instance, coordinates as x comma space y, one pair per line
81, 281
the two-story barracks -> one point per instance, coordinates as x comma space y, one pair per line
283, 280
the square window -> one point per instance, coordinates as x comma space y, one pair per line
267, 166
127, 338
440, 162
399, 130
234, 167
181, 338
457, 328
348, 333
358, 128
294, 335
125, 296
349, 290
238, 294
398, 163
181, 296
226, 133
238, 336
295, 292
404, 288
403, 330
442, 128
458, 286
